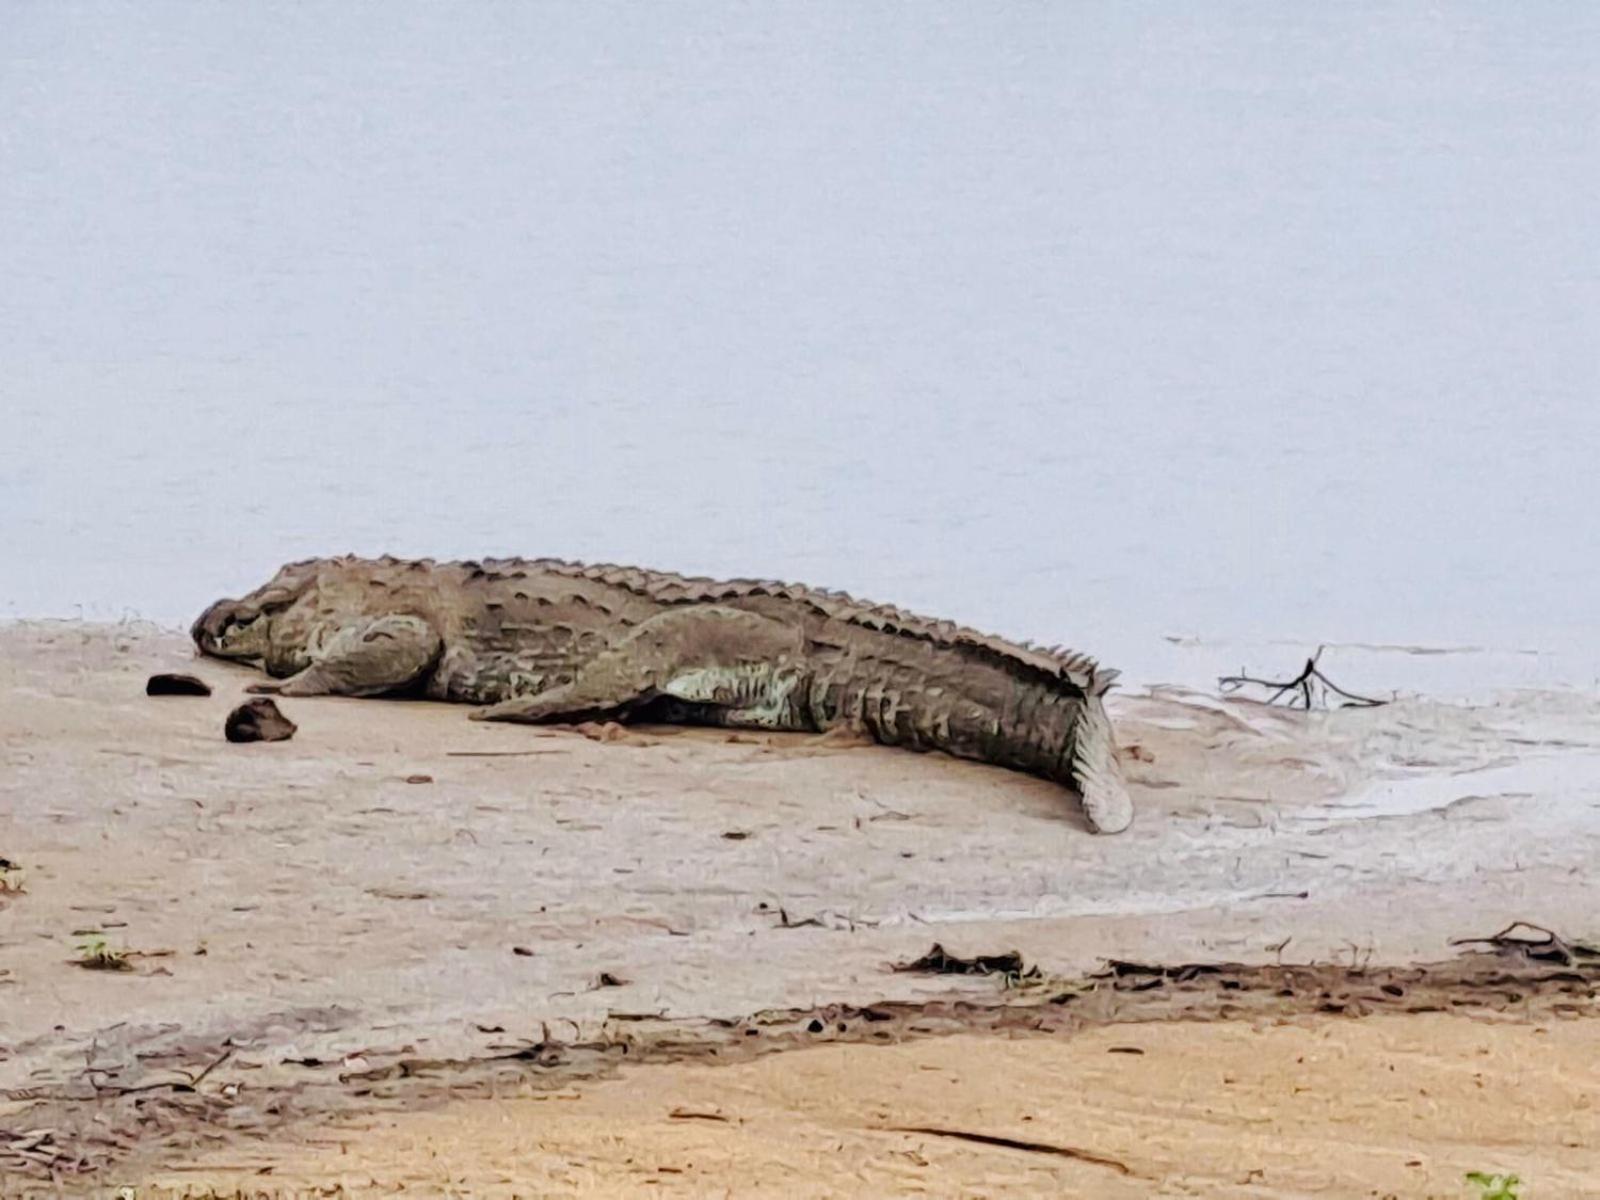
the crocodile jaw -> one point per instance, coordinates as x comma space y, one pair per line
233, 629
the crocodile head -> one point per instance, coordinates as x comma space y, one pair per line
243, 628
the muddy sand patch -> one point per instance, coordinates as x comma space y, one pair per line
319, 942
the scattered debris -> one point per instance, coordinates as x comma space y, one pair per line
387, 893
96, 955
37, 1151
1309, 689
185, 1083
419, 778
939, 961
825, 919
169, 684
607, 980
1176, 973
689, 1114
499, 753
522, 951
785, 922
735, 835
611, 731
258, 721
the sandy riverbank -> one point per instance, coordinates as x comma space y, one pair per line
308, 910
1401, 1106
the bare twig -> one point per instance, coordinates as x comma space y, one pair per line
210, 1067
1302, 686
989, 1139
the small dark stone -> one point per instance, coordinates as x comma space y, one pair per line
815, 1026
176, 685
258, 721
522, 952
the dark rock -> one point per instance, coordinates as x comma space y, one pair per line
258, 721
176, 685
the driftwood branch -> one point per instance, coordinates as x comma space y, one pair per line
1534, 941
1305, 690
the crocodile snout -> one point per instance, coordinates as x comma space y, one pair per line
210, 630
209, 624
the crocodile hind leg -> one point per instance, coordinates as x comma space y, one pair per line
366, 658
740, 663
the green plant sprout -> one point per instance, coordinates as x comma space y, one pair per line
1495, 1187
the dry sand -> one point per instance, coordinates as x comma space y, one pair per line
307, 916
1391, 1105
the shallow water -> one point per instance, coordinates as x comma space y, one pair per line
1104, 325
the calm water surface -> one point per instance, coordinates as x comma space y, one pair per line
1091, 323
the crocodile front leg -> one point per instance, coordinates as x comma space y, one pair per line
366, 658
741, 662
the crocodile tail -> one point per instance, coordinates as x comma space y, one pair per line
1095, 773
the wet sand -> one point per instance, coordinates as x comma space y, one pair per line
300, 916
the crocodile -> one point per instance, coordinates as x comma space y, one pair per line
545, 640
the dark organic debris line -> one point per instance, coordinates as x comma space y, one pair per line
1302, 688
939, 961
1515, 972
990, 1139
